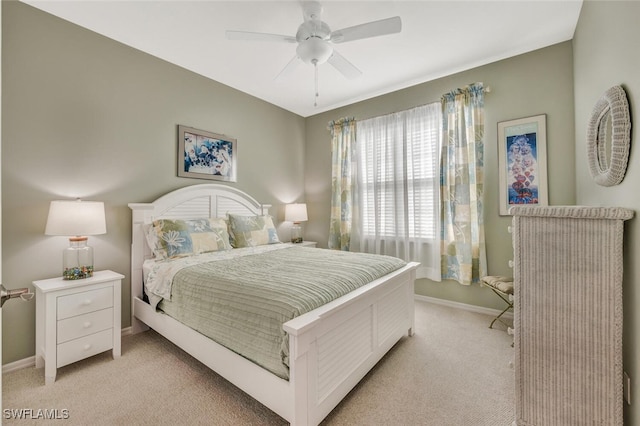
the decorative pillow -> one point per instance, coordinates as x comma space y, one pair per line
178, 238
251, 231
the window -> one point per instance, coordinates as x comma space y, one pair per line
398, 185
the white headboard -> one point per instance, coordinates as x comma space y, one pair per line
206, 200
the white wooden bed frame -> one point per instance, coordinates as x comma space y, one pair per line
331, 348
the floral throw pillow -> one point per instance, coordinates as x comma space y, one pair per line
251, 231
178, 238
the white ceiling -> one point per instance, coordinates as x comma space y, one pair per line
438, 38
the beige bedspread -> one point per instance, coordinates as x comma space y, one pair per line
241, 302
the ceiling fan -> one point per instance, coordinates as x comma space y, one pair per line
315, 40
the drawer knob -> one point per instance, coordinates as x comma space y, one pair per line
86, 302
87, 346
86, 324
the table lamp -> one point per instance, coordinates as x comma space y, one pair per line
296, 213
76, 219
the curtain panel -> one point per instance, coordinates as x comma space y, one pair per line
462, 185
398, 187
343, 181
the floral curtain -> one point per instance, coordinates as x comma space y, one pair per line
462, 185
343, 181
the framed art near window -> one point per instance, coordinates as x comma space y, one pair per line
522, 162
206, 155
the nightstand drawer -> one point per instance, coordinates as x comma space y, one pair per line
83, 325
86, 301
84, 347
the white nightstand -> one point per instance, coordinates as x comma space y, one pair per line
76, 319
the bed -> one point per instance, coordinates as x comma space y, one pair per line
330, 348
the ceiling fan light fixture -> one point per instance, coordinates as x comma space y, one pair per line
314, 51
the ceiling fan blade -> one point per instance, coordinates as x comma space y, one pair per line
247, 35
345, 67
370, 29
289, 68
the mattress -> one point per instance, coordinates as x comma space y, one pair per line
241, 298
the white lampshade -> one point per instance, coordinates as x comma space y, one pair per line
295, 213
78, 218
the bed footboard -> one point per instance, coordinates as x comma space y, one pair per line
333, 347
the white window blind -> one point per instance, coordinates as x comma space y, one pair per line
398, 186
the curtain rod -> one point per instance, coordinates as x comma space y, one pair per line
486, 90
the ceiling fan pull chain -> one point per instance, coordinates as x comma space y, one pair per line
315, 65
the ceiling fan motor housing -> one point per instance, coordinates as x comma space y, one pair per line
314, 28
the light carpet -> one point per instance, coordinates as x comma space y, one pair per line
453, 371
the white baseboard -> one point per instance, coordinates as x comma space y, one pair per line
463, 306
31, 361
19, 364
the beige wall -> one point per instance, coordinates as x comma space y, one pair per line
606, 54
540, 82
84, 116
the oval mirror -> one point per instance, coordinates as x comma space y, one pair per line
608, 137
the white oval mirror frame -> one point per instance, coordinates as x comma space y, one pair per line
608, 137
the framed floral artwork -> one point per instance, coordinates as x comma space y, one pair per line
522, 162
206, 155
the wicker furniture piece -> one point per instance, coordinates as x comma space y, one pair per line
568, 315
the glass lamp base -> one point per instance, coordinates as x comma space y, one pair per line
296, 234
77, 260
